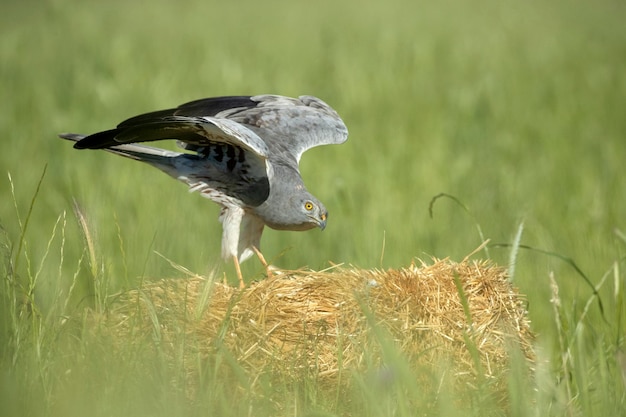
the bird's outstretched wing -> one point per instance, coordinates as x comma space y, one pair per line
284, 126
192, 132
290, 126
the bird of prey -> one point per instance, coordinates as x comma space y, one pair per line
242, 152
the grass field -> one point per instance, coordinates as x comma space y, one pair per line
514, 108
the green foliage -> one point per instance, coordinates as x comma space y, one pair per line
515, 109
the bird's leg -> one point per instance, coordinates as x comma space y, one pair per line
242, 285
263, 261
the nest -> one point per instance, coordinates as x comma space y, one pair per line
322, 324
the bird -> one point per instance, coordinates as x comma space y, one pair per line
242, 152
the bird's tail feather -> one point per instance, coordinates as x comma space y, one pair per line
160, 158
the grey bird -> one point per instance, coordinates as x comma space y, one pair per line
242, 152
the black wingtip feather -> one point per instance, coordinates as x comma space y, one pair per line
145, 127
197, 108
98, 140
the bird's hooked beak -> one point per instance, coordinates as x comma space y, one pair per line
322, 220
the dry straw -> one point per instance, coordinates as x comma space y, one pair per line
322, 324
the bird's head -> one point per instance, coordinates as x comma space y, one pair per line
302, 212
315, 212
293, 209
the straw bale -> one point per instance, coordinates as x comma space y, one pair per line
320, 324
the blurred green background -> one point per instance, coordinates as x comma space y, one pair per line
517, 109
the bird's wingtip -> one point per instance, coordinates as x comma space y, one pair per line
74, 137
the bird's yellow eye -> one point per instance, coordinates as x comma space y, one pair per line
308, 206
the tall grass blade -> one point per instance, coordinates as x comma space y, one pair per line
89, 240
467, 210
568, 261
469, 342
563, 345
515, 251
24, 227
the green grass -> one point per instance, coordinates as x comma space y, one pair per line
515, 109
